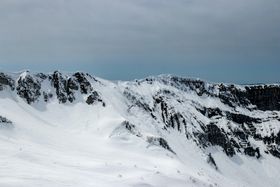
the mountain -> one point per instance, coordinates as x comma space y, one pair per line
74, 129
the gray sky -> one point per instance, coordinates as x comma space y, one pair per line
218, 40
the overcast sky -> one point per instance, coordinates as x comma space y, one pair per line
218, 40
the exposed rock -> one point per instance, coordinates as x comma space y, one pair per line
274, 151
158, 141
216, 137
241, 135
5, 123
231, 130
232, 96
60, 84
211, 161
41, 76
85, 85
124, 128
250, 151
264, 97
136, 101
47, 96
28, 88
172, 119
189, 84
241, 119
210, 112
131, 128
94, 97
65, 87
6, 80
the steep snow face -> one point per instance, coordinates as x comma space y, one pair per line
62, 129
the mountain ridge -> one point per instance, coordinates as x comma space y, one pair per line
169, 112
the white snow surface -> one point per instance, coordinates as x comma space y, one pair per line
80, 145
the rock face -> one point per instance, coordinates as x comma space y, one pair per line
66, 88
264, 97
85, 85
230, 117
216, 137
229, 129
5, 123
6, 80
28, 88
94, 97
158, 141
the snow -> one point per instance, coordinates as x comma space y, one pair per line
76, 144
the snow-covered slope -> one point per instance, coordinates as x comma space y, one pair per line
62, 129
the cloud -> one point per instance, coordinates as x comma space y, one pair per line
88, 30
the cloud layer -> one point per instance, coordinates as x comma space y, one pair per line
95, 31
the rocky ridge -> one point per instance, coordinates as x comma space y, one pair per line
240, 120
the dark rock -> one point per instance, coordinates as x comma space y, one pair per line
232, 96
64, 87
240, 134
216, 137
94, 97
210, 112
136, 101
5, 123
264, 97
59, 83
277, 139
274, 151
159, 142
186, 84
71, 84
269, 139
176, 121
6, 80
241, 119
131, 128
172, 119
257, 137
250, 151
85, 85
47, 96
28, 88
211, 161
41, 76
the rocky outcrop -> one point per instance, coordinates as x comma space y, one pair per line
264, 97
94, 97
175, 105
131, 128
231, 130
5, 123
211, 161
158, 141
28, 88
216, 137
64, 87
84, 84
250, 151
232, 96
210, 112
6, 80
241, 118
